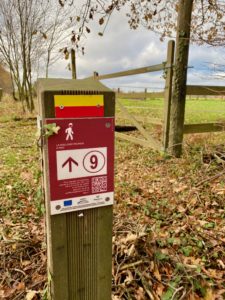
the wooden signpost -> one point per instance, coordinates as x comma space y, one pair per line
77, 125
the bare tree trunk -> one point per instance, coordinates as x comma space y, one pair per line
180, 77
47, 63
28, 35
13, 86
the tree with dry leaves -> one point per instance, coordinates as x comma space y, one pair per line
30, 37
157, 15
199, 21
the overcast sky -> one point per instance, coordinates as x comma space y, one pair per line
122, 48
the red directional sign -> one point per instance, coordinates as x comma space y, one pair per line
81, 164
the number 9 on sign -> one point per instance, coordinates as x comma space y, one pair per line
94, 161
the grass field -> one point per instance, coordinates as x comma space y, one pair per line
169, 216
197, 110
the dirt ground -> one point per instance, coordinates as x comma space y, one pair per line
169, 225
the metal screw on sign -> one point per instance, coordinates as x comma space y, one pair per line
61, 106
107, 125
58, 207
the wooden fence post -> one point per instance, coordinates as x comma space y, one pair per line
79, 235
95, 75
118, 93
73, 63
180, 77
168, 93
145, 96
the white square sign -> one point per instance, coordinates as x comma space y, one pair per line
81, 163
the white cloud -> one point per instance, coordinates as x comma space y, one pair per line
121, 48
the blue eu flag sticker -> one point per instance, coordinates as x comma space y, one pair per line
67, 202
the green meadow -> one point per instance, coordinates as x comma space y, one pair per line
197, 110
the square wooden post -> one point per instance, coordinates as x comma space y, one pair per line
79, 242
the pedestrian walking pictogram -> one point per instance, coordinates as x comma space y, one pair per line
69, 132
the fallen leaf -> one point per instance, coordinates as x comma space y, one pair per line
180, 189
209, 295
221, 264
129, 278
194, 296
157, 274
20, 286
26, 176
30, 295
140, 294
9, 187
181, 209
25, 263
159, 289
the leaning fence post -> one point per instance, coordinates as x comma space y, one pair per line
168, 93
95, 75
145, 96
73, 64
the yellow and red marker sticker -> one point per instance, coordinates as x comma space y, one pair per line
79, 106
